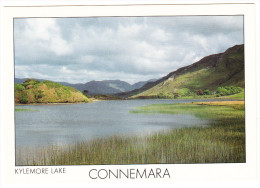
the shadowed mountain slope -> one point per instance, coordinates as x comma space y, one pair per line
211, 72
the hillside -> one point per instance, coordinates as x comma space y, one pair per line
35, 91
105, 87
210, 73
140, 84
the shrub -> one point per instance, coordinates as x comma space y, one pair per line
38, 84
51, 84
19, 87
158, 96
199, 92
161, 95
30, 82
176, 95
24, 98
25, 84
39, 94
221, 91
184, 92
207, 92
29, 86
228, 90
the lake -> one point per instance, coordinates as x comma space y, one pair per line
71, 123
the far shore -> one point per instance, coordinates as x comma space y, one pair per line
96, 100
20, 104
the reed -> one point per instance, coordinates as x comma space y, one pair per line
222, 141
23, 110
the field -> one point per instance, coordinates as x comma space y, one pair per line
222, 141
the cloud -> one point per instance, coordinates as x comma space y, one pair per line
41, 36
127, 48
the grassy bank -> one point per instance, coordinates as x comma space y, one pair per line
223, 141
238, 96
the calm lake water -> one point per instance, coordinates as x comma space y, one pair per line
70, 123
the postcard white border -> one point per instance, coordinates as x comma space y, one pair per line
181, 174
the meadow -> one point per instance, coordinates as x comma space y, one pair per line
222, 141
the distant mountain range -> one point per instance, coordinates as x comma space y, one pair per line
100, 87
21, 80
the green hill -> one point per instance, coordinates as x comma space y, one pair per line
210, 75
34, 91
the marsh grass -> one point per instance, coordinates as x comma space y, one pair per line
23, 110
238, 96
222, 141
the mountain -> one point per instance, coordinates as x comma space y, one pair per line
100, 87
21, 80
140, 84
35, 91
209, 73
106, 86
110, 87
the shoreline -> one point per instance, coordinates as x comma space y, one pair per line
32, 104
98, 100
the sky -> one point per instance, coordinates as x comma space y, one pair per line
131, 49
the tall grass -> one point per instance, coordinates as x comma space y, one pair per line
239, 96
23, 109
222, 141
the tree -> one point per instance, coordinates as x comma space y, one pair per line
24, 97
19, 87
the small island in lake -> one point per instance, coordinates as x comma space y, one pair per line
35, 91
